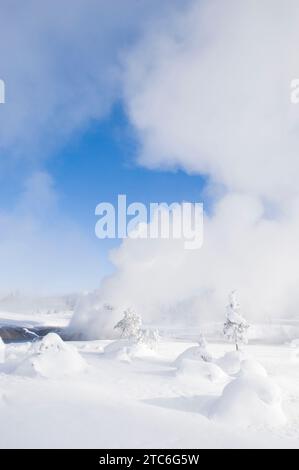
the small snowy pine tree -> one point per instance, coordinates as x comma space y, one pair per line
130, 325
235, 328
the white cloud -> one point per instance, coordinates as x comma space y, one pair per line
209, 91
60, 64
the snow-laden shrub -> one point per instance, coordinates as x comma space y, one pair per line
192, 353
51, 357
119, 349
125, 350
203, 349
235, 328
2, 351
129, 325
135, 341
195, 363
251, 399
195, 353
195, 370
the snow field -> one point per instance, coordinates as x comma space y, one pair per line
251, 399
148, 402
126, 350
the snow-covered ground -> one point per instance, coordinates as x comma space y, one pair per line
79, 395
52, 319
22, 310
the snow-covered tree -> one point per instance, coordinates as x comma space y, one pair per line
130, 325
235, 327
131, 328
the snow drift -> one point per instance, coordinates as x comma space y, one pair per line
52, 358
251, 399
231, 361
193, 353
196, 353
195, 363
125, 350
194, 370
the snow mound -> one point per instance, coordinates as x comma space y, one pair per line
119, 350
195, 363
196, 370
90, 346
125, 350
231, 361
194, 353
252, 367
251, 399
51, 357
2, 351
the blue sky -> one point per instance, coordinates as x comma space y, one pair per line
100, 163
66, 143
93, 165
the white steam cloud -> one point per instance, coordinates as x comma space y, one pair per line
60, 65
209, 92
212, 95
60, 62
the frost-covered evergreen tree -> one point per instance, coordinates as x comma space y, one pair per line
131, 329
130, 325
236, 327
